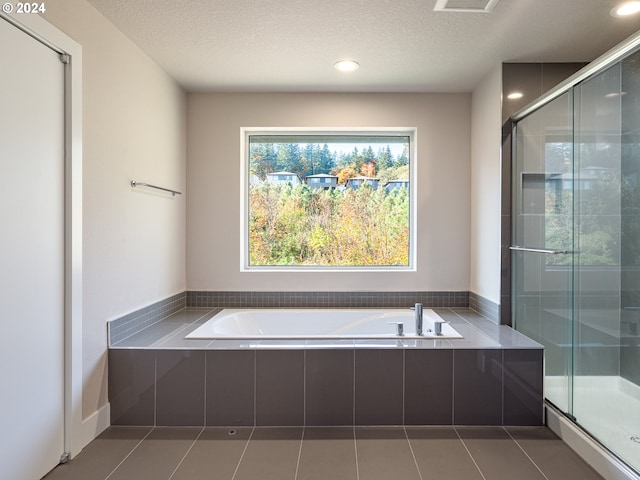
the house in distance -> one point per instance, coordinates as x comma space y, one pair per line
322, 181
282, 178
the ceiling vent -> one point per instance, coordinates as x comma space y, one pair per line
478, 6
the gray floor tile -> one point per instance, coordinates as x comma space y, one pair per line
328, 453
384, 453
497, 455
214, 455
441, 455
552, 455
272, 454
158, 455
102, 456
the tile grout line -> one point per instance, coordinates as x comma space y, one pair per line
246, 445
477, 329
467, 449
404, 385
155, 389
300, 453
184, 327
304, 407
525, 453
204, 413
453, 387
353, 410
413, 455
355, 451
130, 453
502, 387
186, 453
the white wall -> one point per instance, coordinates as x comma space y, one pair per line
213, 181
134, 120
486, 128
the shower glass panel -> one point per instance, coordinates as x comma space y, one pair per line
576, 262
598, 266
543, 234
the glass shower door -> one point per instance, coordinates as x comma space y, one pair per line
543, 240
576, 250
606, 392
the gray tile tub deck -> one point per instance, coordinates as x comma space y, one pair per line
478, 333
492, 376
323, 453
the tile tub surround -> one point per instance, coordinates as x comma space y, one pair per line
129, 325
493, 376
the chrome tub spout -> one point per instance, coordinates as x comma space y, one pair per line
417, 308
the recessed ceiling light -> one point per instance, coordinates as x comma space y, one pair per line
515, 95
625, 9
347, 65
484, 6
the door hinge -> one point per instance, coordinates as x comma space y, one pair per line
64, 58
64, 458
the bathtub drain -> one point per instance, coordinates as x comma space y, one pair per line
231, 433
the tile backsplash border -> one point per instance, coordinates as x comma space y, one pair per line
227, 299
123, 327
484, 307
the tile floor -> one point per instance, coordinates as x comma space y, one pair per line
327, 453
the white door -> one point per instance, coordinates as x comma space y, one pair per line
31, 256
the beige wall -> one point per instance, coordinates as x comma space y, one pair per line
486, 128
443, 182
134, 122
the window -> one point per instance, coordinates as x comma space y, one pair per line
333, 205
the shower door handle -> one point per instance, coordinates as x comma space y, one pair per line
539, 250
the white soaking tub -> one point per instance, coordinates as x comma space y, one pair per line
319, 324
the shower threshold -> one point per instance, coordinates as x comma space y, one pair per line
603, 406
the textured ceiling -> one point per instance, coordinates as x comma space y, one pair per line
401, 45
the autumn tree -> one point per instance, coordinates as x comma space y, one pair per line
345, 174
262, 159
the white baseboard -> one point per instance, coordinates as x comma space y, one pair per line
601, 460
92, 427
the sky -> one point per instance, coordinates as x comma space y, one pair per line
396, 148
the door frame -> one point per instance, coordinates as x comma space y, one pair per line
76, 432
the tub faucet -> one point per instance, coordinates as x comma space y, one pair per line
417, 308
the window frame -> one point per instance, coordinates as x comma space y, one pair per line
246, 132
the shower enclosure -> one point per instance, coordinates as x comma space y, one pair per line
576, 247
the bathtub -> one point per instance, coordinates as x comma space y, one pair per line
318, 324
